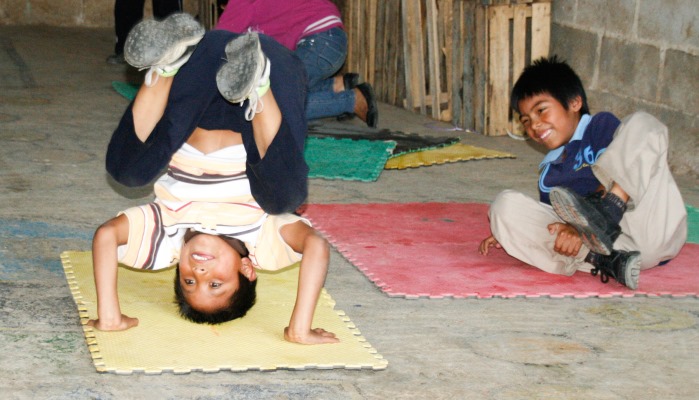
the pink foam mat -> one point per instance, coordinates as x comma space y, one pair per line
430, 250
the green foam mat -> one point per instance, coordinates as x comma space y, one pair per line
128, 90
692, 224
347, 159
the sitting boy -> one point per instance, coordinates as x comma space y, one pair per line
206, 217
616, 207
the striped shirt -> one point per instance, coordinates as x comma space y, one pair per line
209, 193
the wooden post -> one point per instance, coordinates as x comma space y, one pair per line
434, 57
498, 69
413, 50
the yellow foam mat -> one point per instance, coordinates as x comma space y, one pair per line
164, 342
441, 155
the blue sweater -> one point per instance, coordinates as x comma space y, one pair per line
279, 181
569, 165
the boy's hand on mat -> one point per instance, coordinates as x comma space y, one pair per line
568, 241
124, 323
487, 243
314, 336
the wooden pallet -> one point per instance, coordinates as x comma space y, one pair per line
454, 60
510, 27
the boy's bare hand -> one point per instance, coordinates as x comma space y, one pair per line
487, 243
568, 241
314, 336
124, 323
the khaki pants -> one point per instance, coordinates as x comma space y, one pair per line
654, 224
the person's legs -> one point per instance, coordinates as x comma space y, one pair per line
655, 222
127, 13
270, 83
520, 224
163, 8
322, 54
327, 103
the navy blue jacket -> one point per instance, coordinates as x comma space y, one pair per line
573, 168
279, 181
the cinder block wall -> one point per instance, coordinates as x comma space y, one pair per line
637, 55
631, 54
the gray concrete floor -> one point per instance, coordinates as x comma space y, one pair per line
57, 111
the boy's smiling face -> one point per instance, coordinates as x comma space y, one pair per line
209, 272
546, 120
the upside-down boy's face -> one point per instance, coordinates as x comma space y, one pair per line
209, 272
546, 120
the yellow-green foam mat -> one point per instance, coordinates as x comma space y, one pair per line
164, 342
452, 153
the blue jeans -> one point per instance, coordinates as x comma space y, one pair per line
323, 54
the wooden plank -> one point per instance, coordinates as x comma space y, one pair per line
460, 40
362, 42
541, 29
399, 90
413, 51
348, 20
371, 20
433, 55
446, 8
519, 53
519, 39
479, 60
499, 69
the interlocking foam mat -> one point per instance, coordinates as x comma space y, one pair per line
347, 159
164, 342
430, 250
128, 90
447, 154
405, 142
692, 224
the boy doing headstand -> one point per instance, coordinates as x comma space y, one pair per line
607, 200
226, 119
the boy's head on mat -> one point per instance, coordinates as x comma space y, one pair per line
550, 99
215, 280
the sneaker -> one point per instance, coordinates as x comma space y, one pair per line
245, 74
162, 46
589, 216
624, 266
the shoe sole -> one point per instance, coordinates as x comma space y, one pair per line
157, 43
632, 271
567, 207
241, 72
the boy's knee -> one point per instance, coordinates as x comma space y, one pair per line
504, 203
641, 121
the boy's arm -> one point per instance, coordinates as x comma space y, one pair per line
568, 241
314, 266
487, 243
107, 238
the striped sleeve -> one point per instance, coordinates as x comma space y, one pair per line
148, 245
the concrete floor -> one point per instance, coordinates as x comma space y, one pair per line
57, 111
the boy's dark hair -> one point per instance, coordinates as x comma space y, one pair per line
552, 76
240, 302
